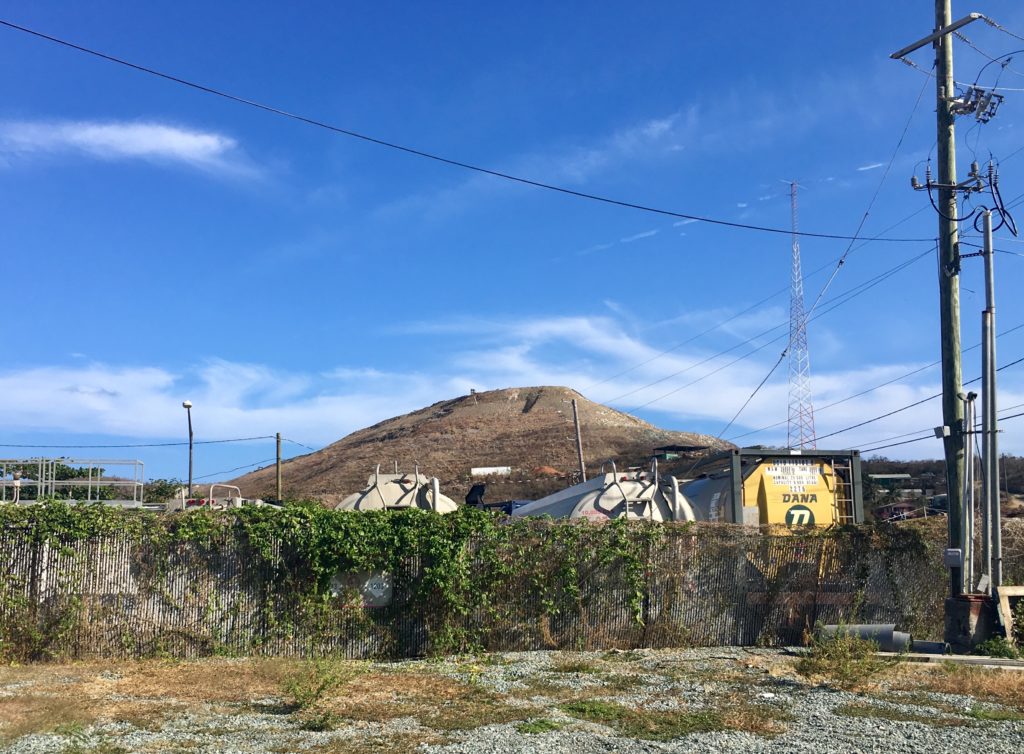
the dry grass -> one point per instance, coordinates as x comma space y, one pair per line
143, 694
736, 713
740, 712
573, 664
34, 713
397, 743
437, 702
888, 713
987, 684
210, 680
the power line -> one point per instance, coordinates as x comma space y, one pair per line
429, 155
141, 444
798, 350
750, 308
893, 445
871, 389
301, 445
756, 391
238, 468
842, 299
711, 329
930, 431
931, 435
871, 202
852, 292
991, 59
912, 405
1001, 28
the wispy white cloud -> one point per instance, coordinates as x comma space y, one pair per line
595, 354
870, 166
122, 140
594, 248
684, 222
741, 205
638, 236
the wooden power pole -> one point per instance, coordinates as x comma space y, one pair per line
279, 498
579, 441
949, 285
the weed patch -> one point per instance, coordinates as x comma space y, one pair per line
843, 660
994, 714
997, 646
22, 715
888, 713
622, 656
987, 684
315, 679
646, 724
573, 665
539, 726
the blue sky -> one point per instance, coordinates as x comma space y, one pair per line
163, 244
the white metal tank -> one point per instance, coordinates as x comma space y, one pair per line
634, 495
398, 492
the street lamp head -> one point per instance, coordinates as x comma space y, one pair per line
186, 404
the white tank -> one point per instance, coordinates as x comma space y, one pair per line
397, 492
634, 495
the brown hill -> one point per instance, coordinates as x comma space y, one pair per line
529, 429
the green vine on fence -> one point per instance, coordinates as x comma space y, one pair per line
452, 575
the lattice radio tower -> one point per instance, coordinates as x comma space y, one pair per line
801, 412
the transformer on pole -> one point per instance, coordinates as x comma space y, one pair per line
801, 411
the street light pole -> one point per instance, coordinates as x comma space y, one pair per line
187, 405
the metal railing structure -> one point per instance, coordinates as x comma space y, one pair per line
26, 480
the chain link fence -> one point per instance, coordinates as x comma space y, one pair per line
704, 585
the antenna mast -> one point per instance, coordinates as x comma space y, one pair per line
801, 412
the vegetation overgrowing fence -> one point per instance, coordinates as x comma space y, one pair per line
78, 581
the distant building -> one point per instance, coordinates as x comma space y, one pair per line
491, 471
671, 452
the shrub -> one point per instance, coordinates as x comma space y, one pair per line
842, 659
997, 646
315, 679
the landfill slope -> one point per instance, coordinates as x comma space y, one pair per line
529, 429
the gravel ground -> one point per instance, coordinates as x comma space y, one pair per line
537, 685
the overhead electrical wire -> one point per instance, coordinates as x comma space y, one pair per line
931, 433
301, 445
1000, 27
991, 58
139, 445
756, 391
910, 405
871, 203
701, 334
430, 155
894, 380
238, 468
738, 314
839, 301
839, 264
893, 445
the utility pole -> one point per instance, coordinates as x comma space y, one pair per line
579, 441
949, 285
279, 498
187, 405
990, 421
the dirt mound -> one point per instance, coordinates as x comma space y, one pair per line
529, 429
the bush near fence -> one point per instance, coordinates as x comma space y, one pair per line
80, 581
